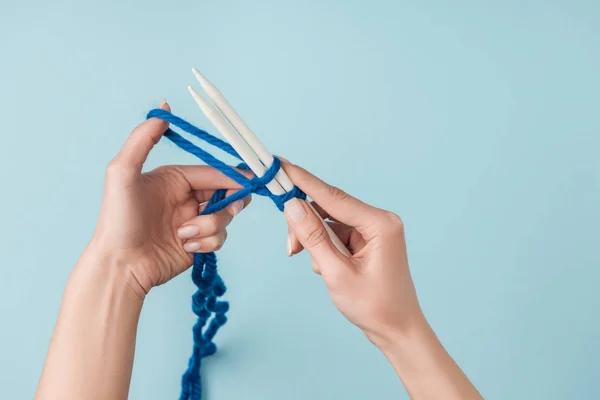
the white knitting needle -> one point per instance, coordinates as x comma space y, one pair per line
236, 141
247, 144
241, 127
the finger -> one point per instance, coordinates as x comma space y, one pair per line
141, 140
204, 177
331, 199
206, 244
292, 243
203, 196
344, 232
205, 225
311, 233
237, 206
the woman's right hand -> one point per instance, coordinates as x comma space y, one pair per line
373, 287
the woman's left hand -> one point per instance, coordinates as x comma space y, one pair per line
150, 221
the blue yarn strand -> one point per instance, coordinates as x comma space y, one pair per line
210, 287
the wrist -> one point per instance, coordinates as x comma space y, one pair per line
392, 336
100, 266
425, 367
409, 341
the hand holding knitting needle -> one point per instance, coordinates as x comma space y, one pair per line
373, 287
147, 231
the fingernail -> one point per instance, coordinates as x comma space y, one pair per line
294, 210
162, 104
188, 231
190, 247
237, 206
289, 245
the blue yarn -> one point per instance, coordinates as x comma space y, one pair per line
210, 286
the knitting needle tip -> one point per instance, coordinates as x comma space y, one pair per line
210, 89
204, 105
200, 77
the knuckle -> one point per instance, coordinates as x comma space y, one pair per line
212, 223
219, 241
208, 228
140, 133
394, 222
337, 193
314, 235
168, 171
211, 243
163, 170
115, 168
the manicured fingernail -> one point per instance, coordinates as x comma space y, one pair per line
289, 246
190, 247
237, 206
162, 104
188, 231
294, 210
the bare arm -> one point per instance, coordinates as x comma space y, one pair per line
425, 367
91, 352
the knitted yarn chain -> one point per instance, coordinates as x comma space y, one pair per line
210, 286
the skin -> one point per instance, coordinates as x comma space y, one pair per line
146, 235
373, 288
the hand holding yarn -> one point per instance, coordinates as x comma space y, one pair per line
151, 221
373, 288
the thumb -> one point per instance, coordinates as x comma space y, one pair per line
310, 231
139, 143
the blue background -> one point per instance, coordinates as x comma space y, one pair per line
476, 121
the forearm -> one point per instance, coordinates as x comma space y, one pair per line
92, 348
425, 367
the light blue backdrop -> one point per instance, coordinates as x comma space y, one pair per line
477, 121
